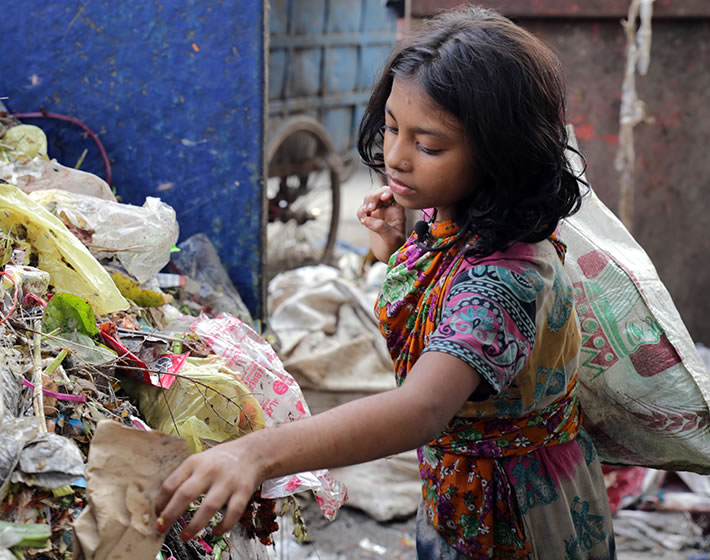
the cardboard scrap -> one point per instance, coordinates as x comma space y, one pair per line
126, 468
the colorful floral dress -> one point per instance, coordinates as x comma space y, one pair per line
513, 475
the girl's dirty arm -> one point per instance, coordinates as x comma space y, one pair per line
359, 431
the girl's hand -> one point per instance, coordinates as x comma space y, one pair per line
223, 473
386, 220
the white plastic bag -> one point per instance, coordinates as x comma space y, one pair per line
141, 237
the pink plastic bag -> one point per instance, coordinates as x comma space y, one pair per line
278, 394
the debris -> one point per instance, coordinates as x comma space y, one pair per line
369, 546
206, 404
55, 250
76, 355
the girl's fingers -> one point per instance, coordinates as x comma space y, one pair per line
171, 484
377, 199
232, 515
181, 498
211, 504
377, 225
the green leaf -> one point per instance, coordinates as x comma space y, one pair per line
69, 313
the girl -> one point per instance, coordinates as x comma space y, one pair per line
466, 123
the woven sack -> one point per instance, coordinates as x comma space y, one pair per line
643, 387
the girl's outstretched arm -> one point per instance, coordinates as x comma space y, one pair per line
359, 431
386, 220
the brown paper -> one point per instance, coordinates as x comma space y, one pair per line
125, 471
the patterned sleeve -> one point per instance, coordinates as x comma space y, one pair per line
488, 321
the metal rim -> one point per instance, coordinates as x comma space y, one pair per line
303, 189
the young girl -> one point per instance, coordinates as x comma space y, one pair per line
466, 123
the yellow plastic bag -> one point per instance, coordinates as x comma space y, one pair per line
71, 267
212, 406
26, 142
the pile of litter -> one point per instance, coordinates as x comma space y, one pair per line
98, 348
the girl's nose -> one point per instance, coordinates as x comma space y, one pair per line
396, 157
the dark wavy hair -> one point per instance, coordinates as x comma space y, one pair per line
506, 88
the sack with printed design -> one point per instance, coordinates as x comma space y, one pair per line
643, 387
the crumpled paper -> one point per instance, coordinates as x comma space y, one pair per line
125, 471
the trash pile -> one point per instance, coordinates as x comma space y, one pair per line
96, 342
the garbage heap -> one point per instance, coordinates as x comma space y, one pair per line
97, 345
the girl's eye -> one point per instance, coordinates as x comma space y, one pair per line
429, 151
392, 129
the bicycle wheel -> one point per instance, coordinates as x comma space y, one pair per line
303, 196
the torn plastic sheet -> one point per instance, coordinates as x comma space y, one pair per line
278, 394
50, 461
42, 175
198, 260
14, 434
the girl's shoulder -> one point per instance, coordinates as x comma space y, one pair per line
520, 258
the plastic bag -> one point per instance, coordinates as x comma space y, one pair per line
643, 387
198, 260
140, 237
43, 175
14, 434
207, 403
26, 141
24, 151
278, 394
72, 268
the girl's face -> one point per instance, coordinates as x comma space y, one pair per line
428, 160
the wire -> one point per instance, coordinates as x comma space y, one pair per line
77, 122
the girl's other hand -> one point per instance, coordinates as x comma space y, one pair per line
386, 220
223, 473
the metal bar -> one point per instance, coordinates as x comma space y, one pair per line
331, 39
279, 107
570, 8
299, 168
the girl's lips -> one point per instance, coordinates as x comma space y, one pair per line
399, 188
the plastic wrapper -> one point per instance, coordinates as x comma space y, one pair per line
71, 267
278, 394
24, 151
140, 237
32, 280
26, 141
206, 404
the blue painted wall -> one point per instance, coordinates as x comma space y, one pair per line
175, 90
